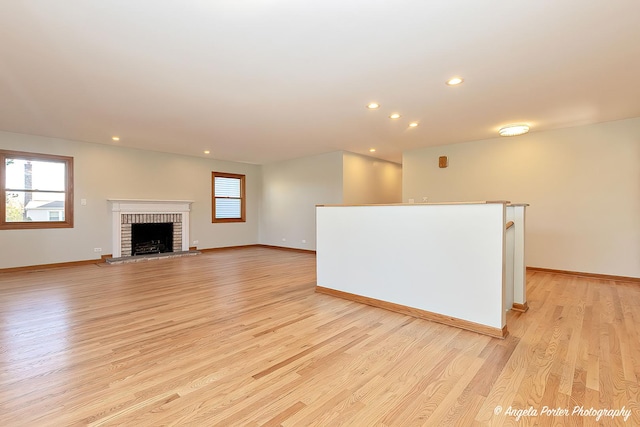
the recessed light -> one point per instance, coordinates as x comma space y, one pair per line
413, 124
514, 130
206, 151
372, 150
373, 105
115, 138
454, 81
394, 116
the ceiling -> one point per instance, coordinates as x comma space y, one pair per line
265, 80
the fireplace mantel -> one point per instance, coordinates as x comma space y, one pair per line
120, 208
144, 205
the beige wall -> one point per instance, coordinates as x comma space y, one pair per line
105, 171
367, 180
281, 197
583, 184
290, 191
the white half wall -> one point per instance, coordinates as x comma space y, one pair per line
104, 172
582, 184
445, 259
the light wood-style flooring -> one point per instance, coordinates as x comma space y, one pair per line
240, 338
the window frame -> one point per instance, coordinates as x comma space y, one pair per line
68, 193
242, 198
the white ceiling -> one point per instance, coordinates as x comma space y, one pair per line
264, 80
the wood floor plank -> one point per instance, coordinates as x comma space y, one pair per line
241, 338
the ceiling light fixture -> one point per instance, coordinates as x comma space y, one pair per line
206, 151
115, 138
372, 150
373, 105
513, 130
454, 81
394, 116
413, 124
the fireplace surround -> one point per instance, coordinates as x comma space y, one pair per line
126, 212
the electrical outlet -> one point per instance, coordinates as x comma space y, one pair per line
424, 199
97, 249
83, 202
195, 242
284, 240
304, 241
411, 201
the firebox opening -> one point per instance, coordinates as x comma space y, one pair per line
151, 238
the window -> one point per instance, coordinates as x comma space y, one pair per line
36, 190
228, 197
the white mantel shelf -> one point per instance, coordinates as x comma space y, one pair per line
149, 205
145, 205
148, 201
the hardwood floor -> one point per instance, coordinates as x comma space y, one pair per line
239, 337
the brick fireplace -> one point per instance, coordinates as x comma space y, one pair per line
126, 212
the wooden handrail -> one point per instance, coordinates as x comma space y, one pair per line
509, 225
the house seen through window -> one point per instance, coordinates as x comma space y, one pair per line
37, 190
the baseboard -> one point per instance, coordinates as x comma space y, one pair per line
520, 307
589, 275
415, 312
226, 248
256, 245
55, 265
104, 257
284, 248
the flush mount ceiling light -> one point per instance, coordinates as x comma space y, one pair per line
115, 138
206, 151
373, 105
454, 81
372, 150
413, 124
513, 130
394, 116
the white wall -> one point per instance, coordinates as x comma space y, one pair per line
583, 184
105, 171
290, 191
367, 180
